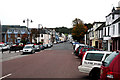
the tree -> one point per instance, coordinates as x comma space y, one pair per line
89, 25
63, 29
79, 29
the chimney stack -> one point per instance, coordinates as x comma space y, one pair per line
118, 8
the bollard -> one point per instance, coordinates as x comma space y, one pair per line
9, 51
2, 50
15, 49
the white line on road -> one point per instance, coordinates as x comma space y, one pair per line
5, 76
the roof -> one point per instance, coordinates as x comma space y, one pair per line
19, 30
114, 12
100, 27
97, 22
117, 20
6, 27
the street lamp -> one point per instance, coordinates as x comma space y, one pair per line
39, 31
0, 32
27, 20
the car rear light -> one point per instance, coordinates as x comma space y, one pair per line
101, 72
82, 59
110, 75
77, 50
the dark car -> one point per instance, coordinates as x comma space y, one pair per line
37, 47
41, 47
17, 46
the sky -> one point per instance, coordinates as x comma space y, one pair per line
54, 13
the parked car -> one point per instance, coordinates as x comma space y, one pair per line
50, 44
91, 63
3, 47
74, 44
79, 48
37, 47
30, 48
110, 69
45, 45
76, 52
17, 46
83, 50
41, 47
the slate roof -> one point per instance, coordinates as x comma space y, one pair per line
6, 27
117, 20
101, 27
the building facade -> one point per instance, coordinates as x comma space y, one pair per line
15, 34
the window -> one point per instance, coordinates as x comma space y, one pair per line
96, 34
109, 59
42, 40
94, 56
96, 25
92, 34
8, 35
108, 31
119, 28
113, 16
99, 34
15, 35
113, 29
105, 31
41, 35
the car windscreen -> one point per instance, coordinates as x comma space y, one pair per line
94, 56
36, 46
109, 59
84, 50
26, 47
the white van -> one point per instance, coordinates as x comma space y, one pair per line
91, 63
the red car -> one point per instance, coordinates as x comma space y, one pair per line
83, 50
110, 69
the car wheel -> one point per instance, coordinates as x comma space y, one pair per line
32, 52
23, 53
94, 74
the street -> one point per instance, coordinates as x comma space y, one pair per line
55, 62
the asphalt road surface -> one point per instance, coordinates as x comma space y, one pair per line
57, 62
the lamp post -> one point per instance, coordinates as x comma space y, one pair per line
0, 32
39, 31
27, 20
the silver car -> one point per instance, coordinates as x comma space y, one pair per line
29, 49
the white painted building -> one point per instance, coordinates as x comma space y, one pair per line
112, 30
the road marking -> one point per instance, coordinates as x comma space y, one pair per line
5, 76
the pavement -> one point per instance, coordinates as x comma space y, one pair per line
6, 55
